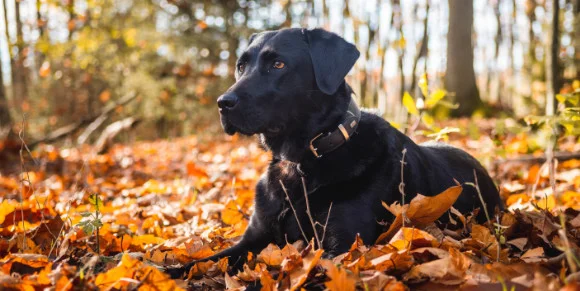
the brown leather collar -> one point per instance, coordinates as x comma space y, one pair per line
325, 143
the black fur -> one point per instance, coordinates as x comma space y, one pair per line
288, 107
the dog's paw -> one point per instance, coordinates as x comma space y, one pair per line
177, 272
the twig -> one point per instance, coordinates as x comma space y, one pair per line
560, 156
476, 186
538, 176
22, 170
293, 210
326, 223
98, 220
497, 234
402, 184
309, 214
572, 261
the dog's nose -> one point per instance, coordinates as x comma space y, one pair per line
227, 101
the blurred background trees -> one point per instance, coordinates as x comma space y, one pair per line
65, 61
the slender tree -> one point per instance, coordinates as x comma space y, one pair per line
493, 67
552, 64
401, 46
20, 81
577, 37
8, 38
5, 119
383, 43
460, 76
423, 49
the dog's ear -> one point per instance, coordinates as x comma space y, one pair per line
332, 58
252, 37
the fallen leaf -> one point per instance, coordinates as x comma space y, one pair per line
271, 255
448, 271
339, 278
423, 210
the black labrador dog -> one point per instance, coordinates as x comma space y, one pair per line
290, 90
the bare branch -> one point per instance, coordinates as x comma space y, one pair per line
326, 223
309, 214
293, 210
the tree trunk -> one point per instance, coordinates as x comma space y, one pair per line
384, 46
41, 26
401, 49
9, 44
19, 83
493, 72
5, 119
552, 66
577, 37
460, 76
421, 52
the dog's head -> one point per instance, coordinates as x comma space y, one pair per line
284, 78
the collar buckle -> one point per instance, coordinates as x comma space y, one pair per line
312, 148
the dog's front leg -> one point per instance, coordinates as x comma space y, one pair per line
256, 237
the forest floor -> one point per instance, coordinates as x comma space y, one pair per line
74, 220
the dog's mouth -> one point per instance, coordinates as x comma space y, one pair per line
230, 128
274, 130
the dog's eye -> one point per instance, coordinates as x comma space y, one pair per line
241, 67
279, 65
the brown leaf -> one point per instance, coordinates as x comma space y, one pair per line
534, 255
519, 243
231, 284
271, 255
196, 249
488, 242
299, 276
449, 271
412, 238
381, 281
422, 211
268, 283
400, 260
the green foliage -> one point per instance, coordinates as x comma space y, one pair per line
424, 110
92, 220
565, 122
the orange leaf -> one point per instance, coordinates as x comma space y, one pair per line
232, 214
268, 283
112, 278
339, 278
400, 260
299, 276
412, 237
105, 96
450, 270
422, 211
197, 250
193, 170
271, 255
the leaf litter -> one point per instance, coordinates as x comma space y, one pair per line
170, 202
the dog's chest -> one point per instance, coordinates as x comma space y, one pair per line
285, 203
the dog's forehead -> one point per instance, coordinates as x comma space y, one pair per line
280, 41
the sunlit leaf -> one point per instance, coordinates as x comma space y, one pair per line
435, 97
271, 255
409, 103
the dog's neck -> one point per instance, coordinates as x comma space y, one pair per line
294, 146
